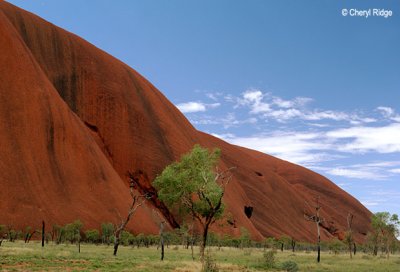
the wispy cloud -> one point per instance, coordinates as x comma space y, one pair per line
383, 139
361, 146
356, 173
311, 148
395, 171
314, 141
227, 121
370, 204
273, 107
191, 107
389, 113
299, 148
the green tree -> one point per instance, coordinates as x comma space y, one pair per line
245, 239
335, 245
73, 232
194, 186
284, 241
107, 230
92, 236
385, 230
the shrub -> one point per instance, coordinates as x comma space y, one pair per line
73, 231
127, 238
269, 258
209, 264
107, 231
290, 266
92, 236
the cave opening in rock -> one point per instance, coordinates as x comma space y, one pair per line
248, 211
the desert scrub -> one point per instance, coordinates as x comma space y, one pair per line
289, 266
210, 264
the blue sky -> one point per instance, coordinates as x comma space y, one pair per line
295, 79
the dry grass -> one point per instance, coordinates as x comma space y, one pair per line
31, 257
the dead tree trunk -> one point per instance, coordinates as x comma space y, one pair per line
162, 239
79, 241
349, 234
117, 237
137, 201
318, 220
319, 242
43, 233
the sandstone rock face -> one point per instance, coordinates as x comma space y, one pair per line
74, 120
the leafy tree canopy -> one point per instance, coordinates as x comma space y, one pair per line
190, 185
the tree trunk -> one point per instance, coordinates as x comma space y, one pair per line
319, 243
116, 242
375, 250
354, 249
162, 248
293, 245
350, 251
162, 240
191, 246
79, 242
387, 250
204, 241
43, 233
30, 236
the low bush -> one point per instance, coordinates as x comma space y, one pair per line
209, 264
290, 266
269, 259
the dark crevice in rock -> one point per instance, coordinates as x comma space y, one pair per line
105, 146
91, 127
248, 210
144, 187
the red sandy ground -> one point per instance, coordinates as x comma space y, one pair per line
74, 120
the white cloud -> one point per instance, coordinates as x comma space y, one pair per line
319, 115
295, 147
283, 115
355, 173
384, 139
311, 148
253, 98
370, 203
190, 107
226, 122
389, 113
297, 102
253, 95
282, 110
395, 171
314, 145
386, 111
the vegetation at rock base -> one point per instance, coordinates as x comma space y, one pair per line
19, 256
195, 186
